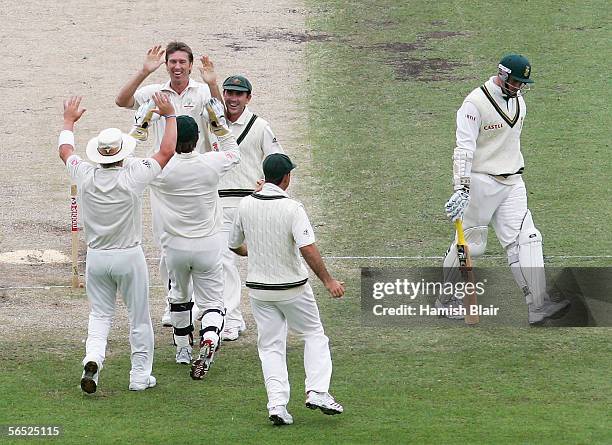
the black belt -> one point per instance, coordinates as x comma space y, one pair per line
505, 175
241, 193
281, 286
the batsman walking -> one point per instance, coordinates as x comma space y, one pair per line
489, 188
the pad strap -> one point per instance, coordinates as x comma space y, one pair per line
184, 331
181, 307
219, 311
214, 329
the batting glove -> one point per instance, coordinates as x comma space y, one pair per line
216, 116
456, 205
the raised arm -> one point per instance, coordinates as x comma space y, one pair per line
209, 76
72, 113
315, 262
153, 60
167, 147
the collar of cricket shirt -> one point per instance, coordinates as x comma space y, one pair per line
191, 154
168, 88
270, 189
244, 117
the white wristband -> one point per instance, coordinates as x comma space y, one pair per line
65, 137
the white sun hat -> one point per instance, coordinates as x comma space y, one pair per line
111, 145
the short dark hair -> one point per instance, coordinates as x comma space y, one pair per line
178, 46
276, 181
185, 147
112, 164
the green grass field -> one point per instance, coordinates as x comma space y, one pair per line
384, 83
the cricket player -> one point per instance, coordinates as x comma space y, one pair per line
256, 141
189, 98
273, 230
111, 193
192, 239
489, 188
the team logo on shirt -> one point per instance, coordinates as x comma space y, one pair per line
74, 161
215, 146
306, 232
274, 141
146, 163
493, 126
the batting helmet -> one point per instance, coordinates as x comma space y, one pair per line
517, 67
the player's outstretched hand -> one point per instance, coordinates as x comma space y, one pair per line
335, 288
164, 106
456, 205
216, 116
207, 70
72, 109
154, 59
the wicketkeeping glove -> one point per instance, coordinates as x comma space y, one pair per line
456, 205
216, 116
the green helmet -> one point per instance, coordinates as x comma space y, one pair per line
515, 66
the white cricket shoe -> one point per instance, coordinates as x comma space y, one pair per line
166, 318
201, 365
141, 386
453, 308
230, 333
550, 309
89, 379
183, 355
323, 401
279, 415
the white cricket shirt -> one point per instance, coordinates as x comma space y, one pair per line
191, 102
492, 132
186, 194
274, 227
111, 200
259, 142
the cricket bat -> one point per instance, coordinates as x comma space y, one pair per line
465, 266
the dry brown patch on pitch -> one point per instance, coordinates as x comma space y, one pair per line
410, 62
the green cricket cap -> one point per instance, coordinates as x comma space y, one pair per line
517, 66
187, 129
277, 165
237, 83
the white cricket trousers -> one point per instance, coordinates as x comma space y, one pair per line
301, 315
203, 268
503, 206
123, 270
231, 275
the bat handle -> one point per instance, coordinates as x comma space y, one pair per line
460, 234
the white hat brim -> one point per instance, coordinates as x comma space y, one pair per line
127, 148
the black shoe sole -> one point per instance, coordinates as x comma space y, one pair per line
88, 384
198, 369
277, 420
328, 411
